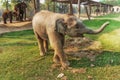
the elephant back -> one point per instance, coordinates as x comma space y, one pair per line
5, 14
20, 6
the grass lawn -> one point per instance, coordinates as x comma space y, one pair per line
113, 15
20, 59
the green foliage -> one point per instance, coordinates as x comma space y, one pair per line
5, 4
11, 3
113, 2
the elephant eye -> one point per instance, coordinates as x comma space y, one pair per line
77, 27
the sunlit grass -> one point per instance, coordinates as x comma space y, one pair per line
110, 37
113, 15
111, 40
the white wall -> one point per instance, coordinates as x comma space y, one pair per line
116, 9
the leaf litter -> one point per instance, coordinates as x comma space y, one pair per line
82, 47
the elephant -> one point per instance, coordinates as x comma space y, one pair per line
20, 10
52, 27
7, 14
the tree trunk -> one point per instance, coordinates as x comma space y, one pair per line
70, 8
36, 5
6, 4
87, 12
79, 9
54, 5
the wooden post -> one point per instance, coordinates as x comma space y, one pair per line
38, 5
54, 6
79, 10
97, 10
6, 4
89, 6
100, 9
87, 12
104, 10
63, 7
34, 6
48, 6
62, 10
108, 9
71, 7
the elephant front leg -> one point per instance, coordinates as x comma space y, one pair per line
5, 20
61, 57
10, 19
56, 41
56, 59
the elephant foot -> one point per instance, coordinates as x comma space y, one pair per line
65, 65
46, 50
5, 22
56, 59
42, 54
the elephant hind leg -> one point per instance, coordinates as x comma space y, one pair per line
40, 44
46, 45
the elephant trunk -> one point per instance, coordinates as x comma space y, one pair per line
89, 31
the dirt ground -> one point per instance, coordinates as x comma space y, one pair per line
15, 26
82, 47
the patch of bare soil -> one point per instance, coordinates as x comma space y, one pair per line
82, 47
15, 26
1, 50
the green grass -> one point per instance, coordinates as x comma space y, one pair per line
113, 15
20, 59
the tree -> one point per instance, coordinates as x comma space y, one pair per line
112, 2
5, 4
9, 4
36, 5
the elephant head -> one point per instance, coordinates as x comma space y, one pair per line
73, 27
20, 9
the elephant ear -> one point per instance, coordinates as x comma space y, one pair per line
61, 26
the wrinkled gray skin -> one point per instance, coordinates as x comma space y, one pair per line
53, 27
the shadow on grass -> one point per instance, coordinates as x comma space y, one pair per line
104, 59
18, 44
24, 35
18, 34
